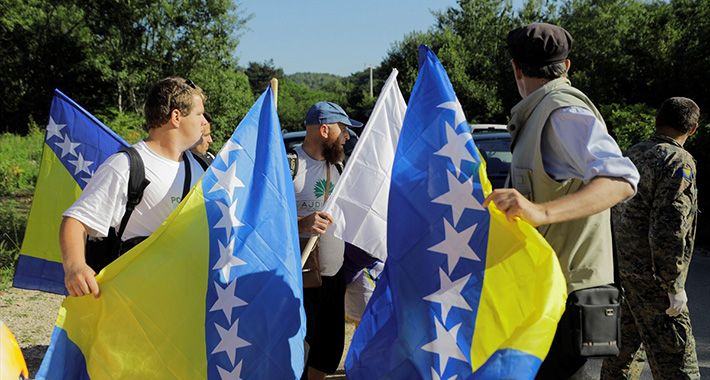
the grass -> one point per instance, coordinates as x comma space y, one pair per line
20, 157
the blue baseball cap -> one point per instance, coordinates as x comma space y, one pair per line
329, 113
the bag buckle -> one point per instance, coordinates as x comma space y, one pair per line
609, 312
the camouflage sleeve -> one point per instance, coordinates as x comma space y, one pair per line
672, 224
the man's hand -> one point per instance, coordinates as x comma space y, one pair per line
678, 302
78, 276
514, 205
79, 280
315, 223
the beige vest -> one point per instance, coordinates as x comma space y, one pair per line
584, 246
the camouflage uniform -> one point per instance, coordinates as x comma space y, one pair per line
654, 233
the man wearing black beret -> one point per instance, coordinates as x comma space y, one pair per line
565, 175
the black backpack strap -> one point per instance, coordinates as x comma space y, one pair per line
136, 185
188, 176
292, 161
201, 160
339, 166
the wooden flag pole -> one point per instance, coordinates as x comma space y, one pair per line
307, 250
275, 90
312, 241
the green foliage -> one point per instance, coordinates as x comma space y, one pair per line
260, 75
314, 81
19, 161
295, 100
629, 124
129, 125
229, 98
111, 51
13, 220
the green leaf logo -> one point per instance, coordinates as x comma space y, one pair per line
319, 189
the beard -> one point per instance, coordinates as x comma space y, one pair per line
332, 150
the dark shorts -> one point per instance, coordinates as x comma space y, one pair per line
561, 362
325, 323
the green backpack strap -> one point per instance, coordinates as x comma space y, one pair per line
292, 161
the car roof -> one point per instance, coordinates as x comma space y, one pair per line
487, 128
490, 136
294, 134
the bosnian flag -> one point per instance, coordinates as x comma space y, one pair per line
465, 294
214, 293
75, 144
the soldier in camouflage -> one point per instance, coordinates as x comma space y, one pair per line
654, 233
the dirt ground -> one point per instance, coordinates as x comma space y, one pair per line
31, 315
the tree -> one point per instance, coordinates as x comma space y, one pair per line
614, 49
105, 54
260, 74
229, 97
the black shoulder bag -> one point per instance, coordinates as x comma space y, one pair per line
596, 317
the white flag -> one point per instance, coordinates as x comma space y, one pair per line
358, 204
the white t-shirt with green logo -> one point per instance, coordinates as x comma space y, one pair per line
310, 184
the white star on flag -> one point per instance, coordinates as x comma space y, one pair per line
81, 165
229, 341
455, 245
445, 345
455, 148
459, 197
456, 107
228, 220
236, 373
227, 260
53, 129
226, 180
226, 300
435, 376
67, 146
449, 294
229, 147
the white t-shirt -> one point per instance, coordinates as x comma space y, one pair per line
103, 202
309, 185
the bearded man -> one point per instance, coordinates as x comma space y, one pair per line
326, 132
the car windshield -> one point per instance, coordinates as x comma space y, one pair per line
497, 154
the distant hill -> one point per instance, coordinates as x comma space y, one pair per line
314, 81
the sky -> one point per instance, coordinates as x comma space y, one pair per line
338, 37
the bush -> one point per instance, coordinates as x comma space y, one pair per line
129, 125
629, 124
20, 157
13, 221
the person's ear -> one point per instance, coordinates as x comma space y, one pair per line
175, 117
695, 127
567, 65
516, 70
324, 130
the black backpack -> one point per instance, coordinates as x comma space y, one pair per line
99, 253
